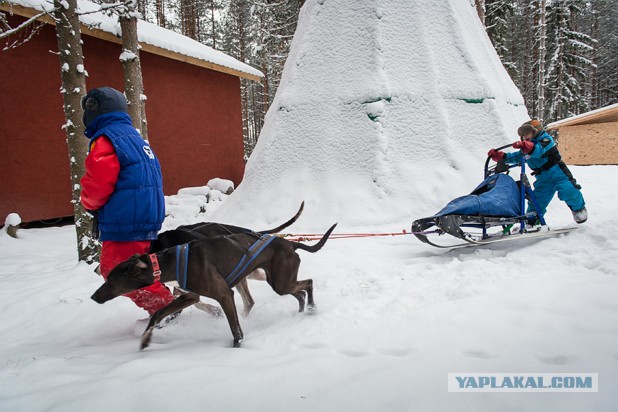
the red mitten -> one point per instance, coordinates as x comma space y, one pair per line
496, 155
525, 146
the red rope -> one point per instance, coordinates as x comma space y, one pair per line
317, 236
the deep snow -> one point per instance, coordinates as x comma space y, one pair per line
394, 317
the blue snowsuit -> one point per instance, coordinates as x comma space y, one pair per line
552, 174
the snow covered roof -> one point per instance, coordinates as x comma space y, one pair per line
152, 38
603, 115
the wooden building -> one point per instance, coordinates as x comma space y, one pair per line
589, 138
193, 110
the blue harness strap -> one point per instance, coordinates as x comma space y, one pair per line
182, 264
254, 251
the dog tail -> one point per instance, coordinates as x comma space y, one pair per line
286, 224
317, 246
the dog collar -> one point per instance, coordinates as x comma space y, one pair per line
156, 269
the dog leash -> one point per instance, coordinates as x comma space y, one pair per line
249, 257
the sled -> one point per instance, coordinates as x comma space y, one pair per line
494, 212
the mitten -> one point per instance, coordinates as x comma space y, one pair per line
525, 146
496, 155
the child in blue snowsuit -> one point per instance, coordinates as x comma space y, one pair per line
552, 174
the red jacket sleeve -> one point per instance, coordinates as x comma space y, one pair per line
102, 168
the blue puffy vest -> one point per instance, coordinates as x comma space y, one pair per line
136, 209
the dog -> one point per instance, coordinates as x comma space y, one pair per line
187, 233
209, 264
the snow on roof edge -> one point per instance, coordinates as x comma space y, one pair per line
582, 116
150, 34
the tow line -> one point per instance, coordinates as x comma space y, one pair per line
317, 236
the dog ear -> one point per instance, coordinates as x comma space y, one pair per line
135, 265
141, 264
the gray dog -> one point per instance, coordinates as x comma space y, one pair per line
211, 267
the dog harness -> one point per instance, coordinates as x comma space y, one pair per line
182, 261
254, 251
156, 269
182, 264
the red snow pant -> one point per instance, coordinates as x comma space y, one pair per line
151, 298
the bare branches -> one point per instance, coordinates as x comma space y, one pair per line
25, 31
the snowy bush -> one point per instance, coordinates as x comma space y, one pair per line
222, 185
191, 203
11, 224
195, 191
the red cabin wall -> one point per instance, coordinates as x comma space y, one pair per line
194, 122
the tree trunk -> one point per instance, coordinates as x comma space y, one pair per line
188, 18
213, 24
73, 78
558, 114
480, 9
131, 66
160, 12
265, 94
542, 53
594, 82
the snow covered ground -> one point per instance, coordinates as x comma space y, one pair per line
383, 114
394, 317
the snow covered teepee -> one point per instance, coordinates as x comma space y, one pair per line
385, 111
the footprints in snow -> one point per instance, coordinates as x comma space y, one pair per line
358, 353
554, 360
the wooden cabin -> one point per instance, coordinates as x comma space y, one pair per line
589, 138
193, 111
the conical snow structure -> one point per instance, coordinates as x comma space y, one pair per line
385, 112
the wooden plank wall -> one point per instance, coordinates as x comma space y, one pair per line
589, 144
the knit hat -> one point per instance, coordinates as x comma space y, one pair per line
532, 126
100, 101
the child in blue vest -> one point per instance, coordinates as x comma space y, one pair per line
552, 174
123, 184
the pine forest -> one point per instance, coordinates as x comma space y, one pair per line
561, 54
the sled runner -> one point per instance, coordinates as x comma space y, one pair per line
494, 212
